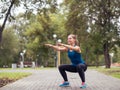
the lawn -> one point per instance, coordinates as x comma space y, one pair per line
8, 77
113, 71
13, 75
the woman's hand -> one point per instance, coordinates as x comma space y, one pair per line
57, 47
49, 45
59, 44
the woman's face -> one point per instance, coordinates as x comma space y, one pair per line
71, 40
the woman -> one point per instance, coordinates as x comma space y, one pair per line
74, 53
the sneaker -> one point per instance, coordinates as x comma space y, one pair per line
83, 86
64, 84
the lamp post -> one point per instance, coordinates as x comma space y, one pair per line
58, 53
22, 62
54, 36
57, 56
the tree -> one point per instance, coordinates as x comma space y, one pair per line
8, 15
9, 48
104, 14
77, 23
40, 31
96, 22
30, 6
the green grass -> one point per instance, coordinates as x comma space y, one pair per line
14, 75
29, 68
16, 68
114, 72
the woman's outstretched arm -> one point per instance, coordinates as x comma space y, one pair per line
76, 48
56, 47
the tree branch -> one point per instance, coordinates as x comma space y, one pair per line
7, 14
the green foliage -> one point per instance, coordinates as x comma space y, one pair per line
39, 31
76, 19
35, 36
9, 48
116, 57
94, 22
105, 20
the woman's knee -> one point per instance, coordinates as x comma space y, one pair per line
59, 67
81, 67
85, 67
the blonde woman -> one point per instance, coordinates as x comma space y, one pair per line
77, 63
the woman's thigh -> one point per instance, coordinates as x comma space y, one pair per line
69, 68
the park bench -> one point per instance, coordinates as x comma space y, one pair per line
27, 64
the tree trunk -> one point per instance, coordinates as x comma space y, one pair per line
86, 55
97, 59
0, 35
106, 55
5, 20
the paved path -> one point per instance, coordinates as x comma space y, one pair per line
49, 79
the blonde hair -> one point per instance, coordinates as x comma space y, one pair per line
75, 37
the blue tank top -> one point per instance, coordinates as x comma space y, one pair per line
75, 57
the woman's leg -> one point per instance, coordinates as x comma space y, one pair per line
63, 68
81, 68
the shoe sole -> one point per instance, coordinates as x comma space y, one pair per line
65, 86
83, 87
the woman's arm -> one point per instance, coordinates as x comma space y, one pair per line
58, 48
75, 48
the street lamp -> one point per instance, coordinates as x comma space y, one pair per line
59, 40
54, 36
58, 53
57, 57
24, 51
22, 62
